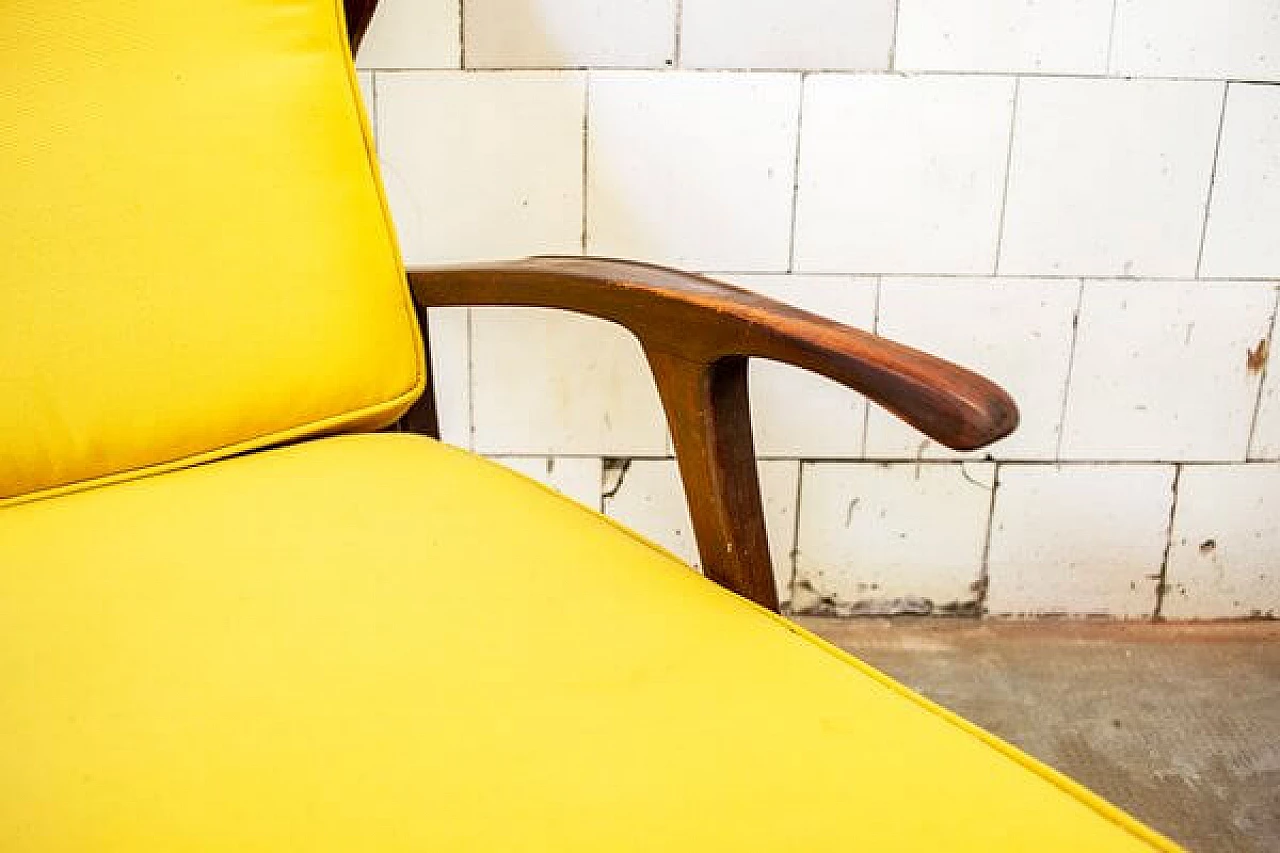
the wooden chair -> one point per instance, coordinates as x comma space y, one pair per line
238, 614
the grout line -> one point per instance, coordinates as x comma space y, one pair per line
794, 553
677, 49
1262, 379
1071, 368
1213, 176
471, 380
875, 330
982, 276
847, 72
1111, 34
1157, 614
462, 34
795, 178
586, 154
893, 38
899, 460
1008, 171
984, 569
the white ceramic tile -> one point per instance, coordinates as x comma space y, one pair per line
1016, 332
779, 488
365, 78
891, 538
692, 169
646, 495
1078, 539
569, 33
827, 34
1109, 177
482, 166
795, 413
1237, 39
550, 382
1266, 427
1242, 237
901, 174
1049, 36
412, 34
577, 477
450, 343
1162, 370
1225, 558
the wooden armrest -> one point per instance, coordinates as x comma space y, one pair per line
697, 335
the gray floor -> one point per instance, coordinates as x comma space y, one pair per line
1179, 725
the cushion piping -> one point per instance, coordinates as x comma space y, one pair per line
1073, 789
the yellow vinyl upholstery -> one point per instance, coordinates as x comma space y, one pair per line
195, 257
377, 642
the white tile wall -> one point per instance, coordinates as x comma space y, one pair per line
780, 491
1162, 371
1109, 177
569, 33
482, 165
577, 477
1265, 443
901, 174
450, 342
554, 383
648, 497
891, 538
1229, 39
1242, 237
794, 412
1018, 332
670, 155
412, 34
1226, 533
365, 79
1062, 36
821, 34
1078, 539
954, 203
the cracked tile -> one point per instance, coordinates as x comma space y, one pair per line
891, 537
648, 497
1078, 539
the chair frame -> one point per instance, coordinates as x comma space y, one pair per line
698, 335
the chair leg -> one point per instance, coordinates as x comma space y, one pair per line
709, 414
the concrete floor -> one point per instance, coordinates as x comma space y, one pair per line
1177, 724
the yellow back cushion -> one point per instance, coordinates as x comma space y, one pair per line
195, 255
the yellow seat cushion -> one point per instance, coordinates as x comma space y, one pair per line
377, 642
195, 258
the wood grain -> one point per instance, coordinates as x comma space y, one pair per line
697, 335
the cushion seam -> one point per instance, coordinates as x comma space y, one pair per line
1079, 793
371, 160
311, 428
1075, 790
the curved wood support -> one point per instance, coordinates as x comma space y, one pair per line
709, 412
698, 335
